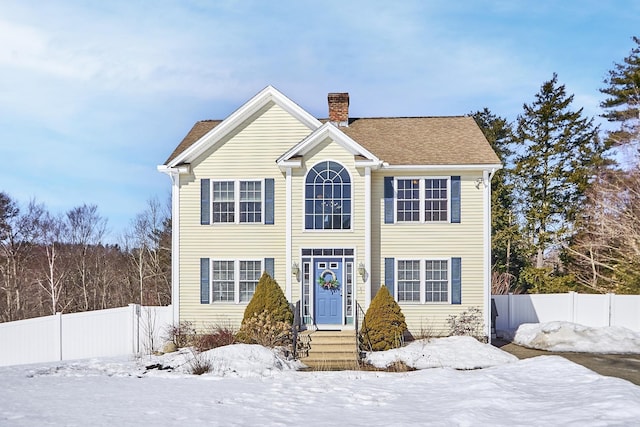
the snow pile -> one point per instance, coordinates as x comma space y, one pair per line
241, 360
238, 360
443, 352
567, 336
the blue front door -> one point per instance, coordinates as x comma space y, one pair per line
328, 291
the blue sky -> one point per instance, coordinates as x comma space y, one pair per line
95, 94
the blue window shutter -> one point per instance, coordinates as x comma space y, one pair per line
269, 266
269, 184
388, 200
389, 274
204, 281
205, 202
455, 199
456, 280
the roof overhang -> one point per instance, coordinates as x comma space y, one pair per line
215, 135
488, 167
184, 168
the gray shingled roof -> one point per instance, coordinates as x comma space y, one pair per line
402, 140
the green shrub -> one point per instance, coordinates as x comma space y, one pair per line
384, 325
267, 305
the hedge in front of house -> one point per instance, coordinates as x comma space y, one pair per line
384, 323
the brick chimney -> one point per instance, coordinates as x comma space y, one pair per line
339, 109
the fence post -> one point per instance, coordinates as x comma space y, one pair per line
611, 307
134, 316
57, 336
509, 310
572, 306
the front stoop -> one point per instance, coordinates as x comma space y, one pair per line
330, 350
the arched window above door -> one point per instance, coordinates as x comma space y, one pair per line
327, 197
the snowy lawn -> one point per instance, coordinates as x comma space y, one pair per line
252, 386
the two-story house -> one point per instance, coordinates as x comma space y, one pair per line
332, 209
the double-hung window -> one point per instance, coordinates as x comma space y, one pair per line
237, 201
234, 280
425, 281
422, 200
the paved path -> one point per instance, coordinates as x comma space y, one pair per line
625, 366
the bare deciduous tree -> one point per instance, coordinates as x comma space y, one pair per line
605, 253
86, 229
18, 233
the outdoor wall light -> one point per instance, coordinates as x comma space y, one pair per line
295, 269
479, 182
361, 270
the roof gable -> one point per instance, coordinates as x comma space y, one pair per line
327, 130
206, 134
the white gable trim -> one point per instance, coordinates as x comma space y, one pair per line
268, 94
327, 130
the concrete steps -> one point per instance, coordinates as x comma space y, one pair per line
329, 350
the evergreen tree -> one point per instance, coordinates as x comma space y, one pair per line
558, 153
384, 324
622, 104
269, 297
507, 257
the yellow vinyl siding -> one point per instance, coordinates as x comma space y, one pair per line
249, 153
433, 241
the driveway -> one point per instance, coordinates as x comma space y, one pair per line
625, 366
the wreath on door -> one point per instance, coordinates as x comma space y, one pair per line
331, 284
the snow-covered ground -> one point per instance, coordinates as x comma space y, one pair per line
253, 386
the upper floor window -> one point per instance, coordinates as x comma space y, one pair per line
237, 201
422, 200
327, 197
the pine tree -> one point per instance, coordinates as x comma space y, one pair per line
507, 257
269, 297
384, 324
558, 153
622, 104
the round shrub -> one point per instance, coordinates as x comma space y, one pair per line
384, 323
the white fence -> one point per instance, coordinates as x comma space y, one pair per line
585, 309
114, 332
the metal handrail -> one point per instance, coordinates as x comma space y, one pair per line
365, 338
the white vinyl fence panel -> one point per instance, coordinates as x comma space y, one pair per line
584, 309
120, 331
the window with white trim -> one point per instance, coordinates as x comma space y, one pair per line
409, 280
422, 199
436, 281
327, 197
223, 281
250, 272
242, 197
234, 280
423, 281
